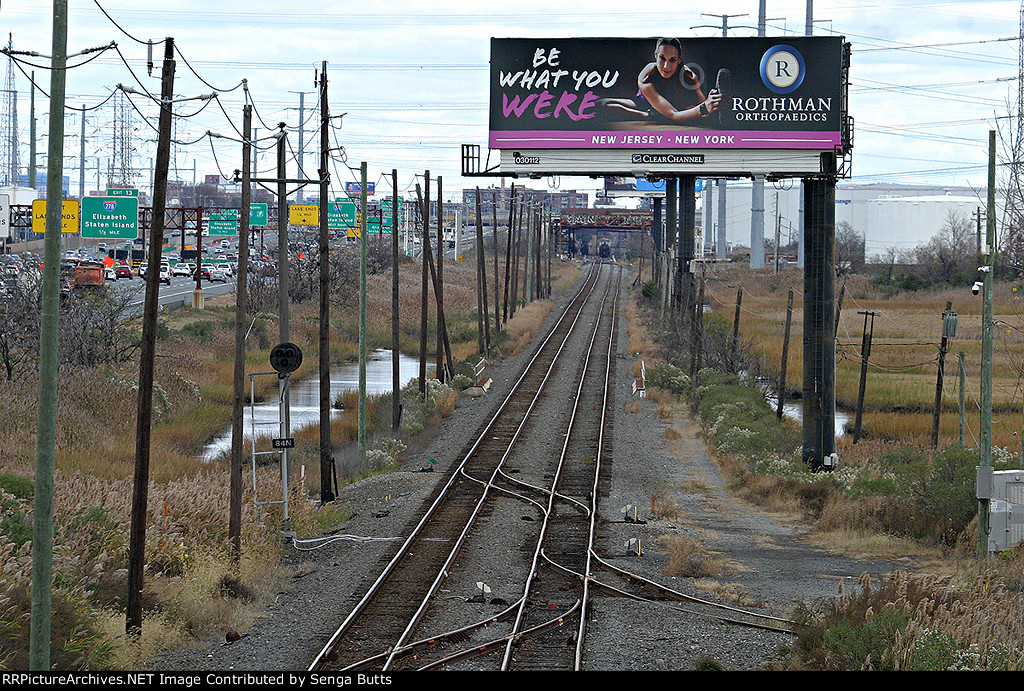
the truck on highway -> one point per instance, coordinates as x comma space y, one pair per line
82, 275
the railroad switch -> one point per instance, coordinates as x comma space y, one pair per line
634, 547
630, 514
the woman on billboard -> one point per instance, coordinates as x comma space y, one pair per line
669, 91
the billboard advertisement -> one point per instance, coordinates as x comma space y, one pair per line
667, 94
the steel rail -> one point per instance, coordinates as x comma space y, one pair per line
506, 660
579, 299
687, 598
453, 554
774, 626
581, 633
491, 645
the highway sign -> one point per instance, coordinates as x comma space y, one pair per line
223, 222
385, 208
257, 214
5, 216
341, 214
122, 192
110, 217
69, 216
304, 214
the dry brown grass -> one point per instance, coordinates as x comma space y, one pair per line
192, 586
665, 507
690, 557
640, 343
526, 322
900, 390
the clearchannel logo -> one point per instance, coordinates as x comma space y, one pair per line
783, 69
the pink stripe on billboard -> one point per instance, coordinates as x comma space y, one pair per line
698, 140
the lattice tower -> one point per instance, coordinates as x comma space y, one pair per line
121, 172
9, 145
1014, 216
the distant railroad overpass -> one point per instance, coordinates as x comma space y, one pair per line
583, 229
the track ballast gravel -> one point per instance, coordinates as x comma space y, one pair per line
767, 566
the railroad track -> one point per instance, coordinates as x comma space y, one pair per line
545, 627
387, 616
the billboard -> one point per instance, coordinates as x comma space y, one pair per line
666, 101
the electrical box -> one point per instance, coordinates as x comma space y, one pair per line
1006, 507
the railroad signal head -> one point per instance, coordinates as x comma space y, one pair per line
286, 358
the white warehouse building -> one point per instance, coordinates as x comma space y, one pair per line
886, 215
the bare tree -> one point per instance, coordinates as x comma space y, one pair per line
19, 324
949, 257
849, 249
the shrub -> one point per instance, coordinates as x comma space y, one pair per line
18, 485
668, 377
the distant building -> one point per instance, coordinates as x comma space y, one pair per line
886, 215
556, 200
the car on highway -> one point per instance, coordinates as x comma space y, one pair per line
182, 269
165, 273
109, 273
124, 271
226, 268
217, 275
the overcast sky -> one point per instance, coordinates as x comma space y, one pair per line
928, 79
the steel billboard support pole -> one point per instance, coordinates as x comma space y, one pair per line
819, 317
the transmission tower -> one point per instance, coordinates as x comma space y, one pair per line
1014, 214
121, 173
9, 159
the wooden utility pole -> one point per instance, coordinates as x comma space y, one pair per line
508, 248
697, 330
528, 255
326, 447
363, 245
439, 368
482, 309
283, 319
424, 203
839, 309
538, 265
940, 378
865, 353
962, 399
736, 329
516, 251
785, 355
144, 418
396, 374
987, 351
494, 233
241, 302
444, 372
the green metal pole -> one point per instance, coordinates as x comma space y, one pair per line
985, 433
362, 315
46, 424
